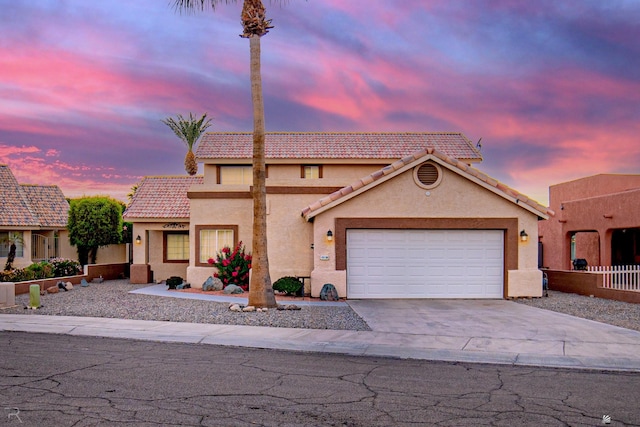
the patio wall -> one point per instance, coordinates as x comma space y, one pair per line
92, 271
584, 283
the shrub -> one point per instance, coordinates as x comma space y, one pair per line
40, 270
233, 267
287, 284
65, 267
16, 275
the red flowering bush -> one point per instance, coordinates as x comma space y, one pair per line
233, 267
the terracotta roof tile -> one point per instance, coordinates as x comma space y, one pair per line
48, 204
336, 145
371, 179
30, 205
162, 197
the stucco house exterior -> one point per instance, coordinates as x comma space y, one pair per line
597, 219
38, 215
378, 215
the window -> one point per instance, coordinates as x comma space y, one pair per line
176, 247
236, 175
311, 172
211, 239
5, 246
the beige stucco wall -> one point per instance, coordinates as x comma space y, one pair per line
401, 197
150, 249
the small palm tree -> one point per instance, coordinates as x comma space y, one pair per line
11, 239
189, 131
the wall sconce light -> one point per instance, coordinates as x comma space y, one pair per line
524, 236
138, 240
329, 236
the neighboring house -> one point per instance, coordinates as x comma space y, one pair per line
36, 213
597, 219
378, 215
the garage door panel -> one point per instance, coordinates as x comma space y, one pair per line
425, 263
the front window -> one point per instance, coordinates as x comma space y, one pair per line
211, 239
176, 247
236, 175
8, 237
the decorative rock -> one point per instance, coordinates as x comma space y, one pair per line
68, 285
84, 283
98, 279
180, 286
249, 308
288, 307
212, 284
53, 290
329, 293
233, 289
235, 307
62, 286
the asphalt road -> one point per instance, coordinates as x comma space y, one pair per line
61, 380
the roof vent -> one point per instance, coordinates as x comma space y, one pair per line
428, 175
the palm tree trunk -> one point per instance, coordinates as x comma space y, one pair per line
260, 288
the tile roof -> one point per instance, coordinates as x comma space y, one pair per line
398, 166
335, 145
162, 197
30, 205
48, 204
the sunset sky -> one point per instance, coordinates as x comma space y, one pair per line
552, 87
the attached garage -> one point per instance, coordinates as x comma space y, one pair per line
418, 263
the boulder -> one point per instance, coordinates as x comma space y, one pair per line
212, 284
53, 290
84, 283
62, 286
233, 289
249, 308
235, 307
68, 285
329, 293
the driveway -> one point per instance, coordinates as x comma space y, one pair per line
501, 326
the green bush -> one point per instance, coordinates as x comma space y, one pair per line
40, 270
287, 284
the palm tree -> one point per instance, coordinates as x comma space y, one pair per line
254, 25
11, 239
189, 131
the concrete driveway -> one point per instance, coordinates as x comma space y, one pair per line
501, 326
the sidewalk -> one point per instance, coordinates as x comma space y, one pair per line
583, 344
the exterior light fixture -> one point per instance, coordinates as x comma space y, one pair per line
329, 236
524, 236
138, 240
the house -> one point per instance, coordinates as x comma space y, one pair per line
37, 214
596, 220
378, 215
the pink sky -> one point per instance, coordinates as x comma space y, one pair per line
551, 87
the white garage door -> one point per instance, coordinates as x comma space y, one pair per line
425, 263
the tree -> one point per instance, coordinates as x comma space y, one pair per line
13, 240
254, 25
189, 131
94, 222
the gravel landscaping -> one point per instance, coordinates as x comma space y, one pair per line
112, 299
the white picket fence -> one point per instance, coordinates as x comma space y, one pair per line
620, 277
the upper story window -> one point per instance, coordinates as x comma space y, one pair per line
235, 175
311, 172
7, 238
